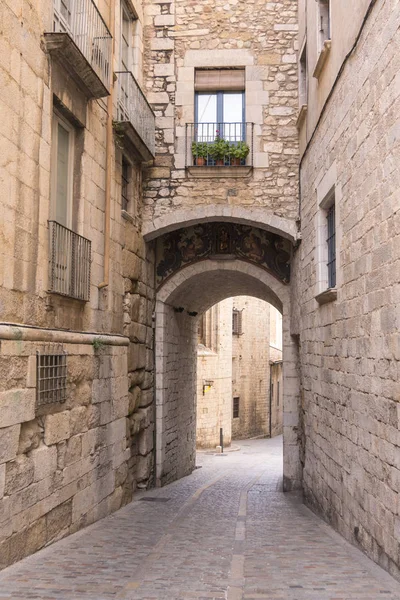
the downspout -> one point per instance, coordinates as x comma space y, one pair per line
109, 145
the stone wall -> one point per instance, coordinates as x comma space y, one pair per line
84, 458
251, 381
62, 465
238, 366
350, 346
259, 37
214, 379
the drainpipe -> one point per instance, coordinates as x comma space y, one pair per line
109, 144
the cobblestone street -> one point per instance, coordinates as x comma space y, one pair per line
226, 532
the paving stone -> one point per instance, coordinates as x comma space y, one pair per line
227, 532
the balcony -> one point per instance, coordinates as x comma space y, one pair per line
219, 149
82, 43
135, 118
70, 259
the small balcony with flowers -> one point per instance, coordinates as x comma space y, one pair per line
219, 149
81, 42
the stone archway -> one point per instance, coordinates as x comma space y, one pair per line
189, 291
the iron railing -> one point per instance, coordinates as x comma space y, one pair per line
219, 144
82, 20
70, 260
132, 107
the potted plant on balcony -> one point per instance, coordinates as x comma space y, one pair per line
200, 152
219, 150
238, 152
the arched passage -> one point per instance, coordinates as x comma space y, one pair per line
186, 294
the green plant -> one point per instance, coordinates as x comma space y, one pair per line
239, 150
219, 148
98, 344
200, 149
118, 134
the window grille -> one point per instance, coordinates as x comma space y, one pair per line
236, 404
324, 21
125, 184
51, 376
278, 392
237, 328
331, 241
70, 262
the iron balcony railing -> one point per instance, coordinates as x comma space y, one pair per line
70, 259
219, 144
82, 20
133, 108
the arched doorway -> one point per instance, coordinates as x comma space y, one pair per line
187, 287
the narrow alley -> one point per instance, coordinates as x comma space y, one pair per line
225, 532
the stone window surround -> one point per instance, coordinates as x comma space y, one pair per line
255, 96
328, 191
303, 84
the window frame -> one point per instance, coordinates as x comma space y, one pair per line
236, 407
127, 9
237, 328
129, 198
220, 107
59, 120
323, 36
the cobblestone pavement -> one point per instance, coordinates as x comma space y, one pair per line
225, 532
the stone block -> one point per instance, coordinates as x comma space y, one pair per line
30, 436
17, 406
131, 265
9, 440
58, 519
44, 461
56, 428
2, 479
19, 474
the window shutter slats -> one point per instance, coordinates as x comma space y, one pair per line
208, 80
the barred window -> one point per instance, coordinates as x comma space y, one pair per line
125, 184
324, 24
51, 376
237, 322
236, 404
331, 242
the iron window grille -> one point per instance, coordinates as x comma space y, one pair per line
278, 392
125, 183
70, 262
51, 367
236, 406
237, 322
331, 242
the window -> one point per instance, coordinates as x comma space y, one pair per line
326, 258
278, 392
237, 321
62, 15
126, 37
236, 404
126, 185
220, 104
51, 377
62, 168
331, 243
303, 79
324, 22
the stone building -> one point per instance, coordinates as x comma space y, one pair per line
121, 223
347, 313
237, 340
76, 291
